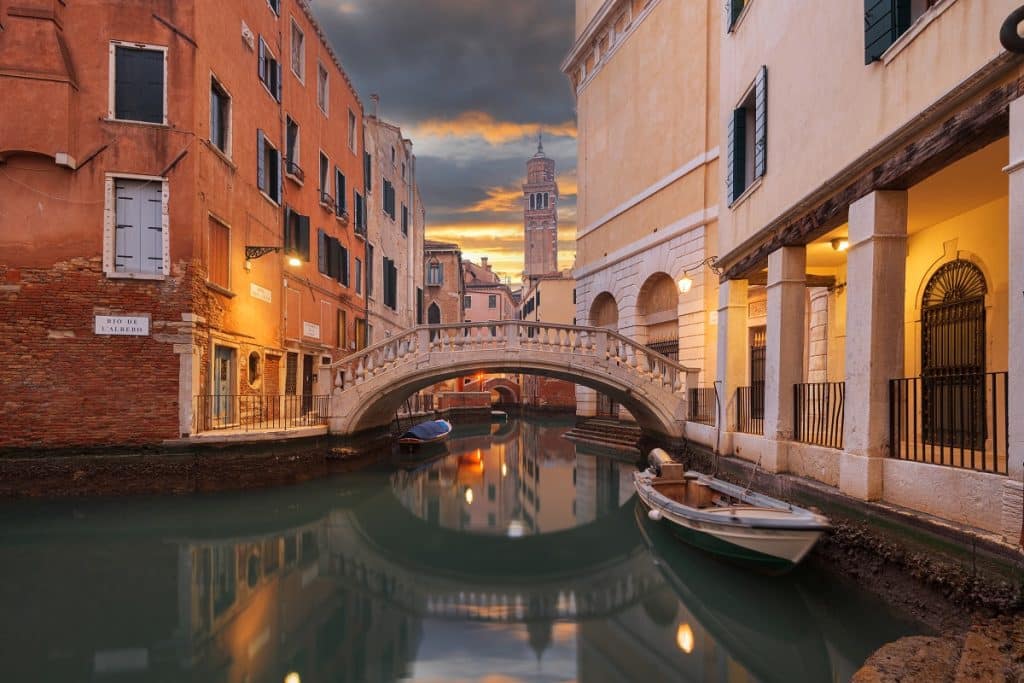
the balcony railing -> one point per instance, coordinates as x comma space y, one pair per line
293, 169
957, 420
703, 405
750, 409
249, 413
818, 412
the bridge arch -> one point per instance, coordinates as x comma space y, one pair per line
371, 385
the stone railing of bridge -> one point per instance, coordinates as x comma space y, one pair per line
368, 386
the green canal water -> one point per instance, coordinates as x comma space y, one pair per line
510, 555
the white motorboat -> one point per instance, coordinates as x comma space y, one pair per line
726, 519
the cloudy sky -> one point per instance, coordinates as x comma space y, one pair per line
470, 82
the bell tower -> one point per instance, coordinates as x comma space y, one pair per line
540, 216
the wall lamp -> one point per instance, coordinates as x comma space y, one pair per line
840, 243
253, 253
686, 282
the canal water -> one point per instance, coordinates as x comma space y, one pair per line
510, 555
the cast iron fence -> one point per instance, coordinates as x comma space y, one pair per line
248, 413
702, 405
750, 409
818, 412
958, 420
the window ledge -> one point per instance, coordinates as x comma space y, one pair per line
220, 290
747, 192
294, 178
270, 199
131, 122
914, 31
341, 217
220, 154
136, 276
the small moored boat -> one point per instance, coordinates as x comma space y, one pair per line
498, 416
431, 431
726, 519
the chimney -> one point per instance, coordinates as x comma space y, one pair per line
483, 262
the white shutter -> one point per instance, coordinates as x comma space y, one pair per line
152, 234
127, 226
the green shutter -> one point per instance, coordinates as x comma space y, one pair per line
761, 122
735, 8
884, 22
302, 245
737, 154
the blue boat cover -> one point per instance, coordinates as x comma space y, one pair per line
428, 430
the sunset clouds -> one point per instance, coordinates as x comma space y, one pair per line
471, 82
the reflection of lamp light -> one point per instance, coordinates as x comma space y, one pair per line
469, 496
293, 677
840, 243
684, 638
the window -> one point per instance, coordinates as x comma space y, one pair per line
298, 52
255, 369
322, 91
139, 90
390, 282
332, 258
360, 210
533, 204
748, 139
419, 305
219, 254
735, 8
220, 117
351, 130
322, 251
389, 199
269, 71
296, 234
136, 231
275, 5
342, 329
435, 274
268, 168
368, 171
325, 181
467, 301
339, 192
291, 150
886, 20
361, 333
405, 219
369, 270
492, 301
359, 276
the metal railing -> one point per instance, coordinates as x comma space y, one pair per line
750, 409
957, 420
248, 413
818, 413
702, 405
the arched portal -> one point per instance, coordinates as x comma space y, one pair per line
658, 306
433, 316
604, 312
953, 355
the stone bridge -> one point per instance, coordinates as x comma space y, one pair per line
371, 385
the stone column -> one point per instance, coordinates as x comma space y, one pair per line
1013, 488
733, 346
784, 357
876, 281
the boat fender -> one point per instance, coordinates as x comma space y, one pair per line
654, 515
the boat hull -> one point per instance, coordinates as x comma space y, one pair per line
773, 550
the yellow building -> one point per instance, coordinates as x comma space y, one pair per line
645, 75
870, 181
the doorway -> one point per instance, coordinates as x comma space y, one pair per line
223, 384
307, 382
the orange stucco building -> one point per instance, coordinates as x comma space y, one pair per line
146, 149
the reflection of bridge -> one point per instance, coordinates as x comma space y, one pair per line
593, 570
371, 385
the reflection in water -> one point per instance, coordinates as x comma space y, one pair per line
513, 555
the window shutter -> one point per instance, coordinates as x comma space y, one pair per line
761, 122
339, 189
322, 255
128, 226
280, 176
884, 22
735, 7
289, 240
737, 140
367, 167
277, 85
261, 68
343, 256
394, 286
152, 228
261, 171
730, 181
303, 236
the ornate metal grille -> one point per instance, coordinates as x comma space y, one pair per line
666, 347
758, 349
953, 356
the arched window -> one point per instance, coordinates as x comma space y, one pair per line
533, 204
434, 318
545, 200
953, 355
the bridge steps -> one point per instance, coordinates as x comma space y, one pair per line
608, 433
